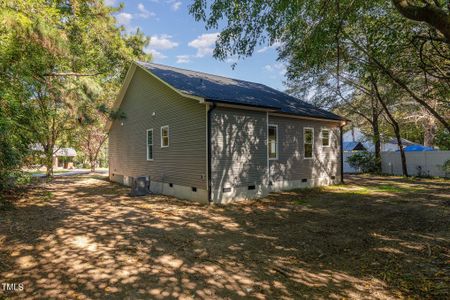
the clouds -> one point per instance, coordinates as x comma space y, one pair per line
204, 44
110, 2
143, 12
176, 5
156, 55
162, 42
276, 68
158, 43
183, 59
124, 18
264, 49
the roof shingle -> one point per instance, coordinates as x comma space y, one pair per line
234, 91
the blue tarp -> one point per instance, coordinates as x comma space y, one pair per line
413, 148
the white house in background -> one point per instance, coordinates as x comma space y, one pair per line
388, 144
62, 157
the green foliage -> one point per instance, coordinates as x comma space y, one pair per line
13, 146
335, 50
443, 139
363, 161
446, 167
59, 61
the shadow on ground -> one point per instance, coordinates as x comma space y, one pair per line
374, 238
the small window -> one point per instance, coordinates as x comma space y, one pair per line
150, 144
325, 137
273, 142
308, 140
165, 136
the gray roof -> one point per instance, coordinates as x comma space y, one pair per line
56, 151
405, 142
233, 91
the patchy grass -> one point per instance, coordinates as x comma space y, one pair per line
356, 189
372, 238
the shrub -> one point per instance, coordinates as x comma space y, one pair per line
12, 151
363, 161
446, 168
9, 160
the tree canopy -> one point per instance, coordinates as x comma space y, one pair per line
351, 55
318, 36
56, 58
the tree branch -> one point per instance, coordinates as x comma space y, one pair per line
62, 74
431, 14
400, 83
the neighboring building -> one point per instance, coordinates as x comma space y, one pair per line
351, 148
387, 143
210, 138
62, 157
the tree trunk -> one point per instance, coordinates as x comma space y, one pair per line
430, 13
401, 84
97, 151
48, 153
376, 134
429, 132
400, 145
93, 164
395, 126
377, 143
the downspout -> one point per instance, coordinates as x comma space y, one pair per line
342, 152
211, 108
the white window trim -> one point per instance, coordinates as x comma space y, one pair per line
151, 129
168, 136
276, 142
312, 149
329, 137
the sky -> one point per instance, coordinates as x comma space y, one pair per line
178, 40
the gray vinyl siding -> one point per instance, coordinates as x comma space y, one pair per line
291, 164
184, 161
238, 148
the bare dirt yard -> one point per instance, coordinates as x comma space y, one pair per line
84, 238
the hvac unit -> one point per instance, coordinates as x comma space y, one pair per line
140, 186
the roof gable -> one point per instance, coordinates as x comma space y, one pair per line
353, 146
233, 91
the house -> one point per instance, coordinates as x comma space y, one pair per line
355, 134
62, 157
353, 146
214, 139
349, 149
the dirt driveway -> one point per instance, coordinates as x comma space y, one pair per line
83, 237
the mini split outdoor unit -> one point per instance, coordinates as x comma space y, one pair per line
140, 186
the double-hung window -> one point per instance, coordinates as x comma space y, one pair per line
308, 142
273, 142
150, 144
165, 136
325, 137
